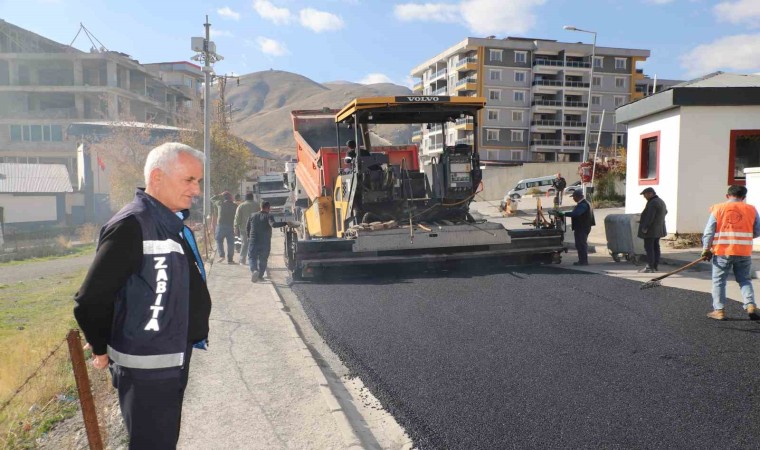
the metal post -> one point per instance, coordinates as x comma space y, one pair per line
206, 126
586, 145
89, 414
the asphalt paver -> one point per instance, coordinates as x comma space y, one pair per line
542, 357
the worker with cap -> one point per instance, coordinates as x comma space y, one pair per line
652, 228
727, 242
582, 220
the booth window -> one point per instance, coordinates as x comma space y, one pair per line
649, 158
744, 151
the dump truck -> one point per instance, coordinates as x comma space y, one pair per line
375, 205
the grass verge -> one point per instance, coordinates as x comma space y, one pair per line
46, 254
34, 318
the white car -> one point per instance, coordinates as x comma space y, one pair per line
572, 188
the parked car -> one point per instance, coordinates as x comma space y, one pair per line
572, 188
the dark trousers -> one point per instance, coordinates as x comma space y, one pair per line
652, 247
257, 257
152, 407
225, 232
581, 244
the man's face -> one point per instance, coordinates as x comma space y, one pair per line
648, 195
177, 187
577, 199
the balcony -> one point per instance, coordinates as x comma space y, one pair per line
435, 129
546, 123
548, 62
576, 85
578, 64
416, 135
467, 64
547, 83
417, 87
572, 143
465, 124
571, 104
541, 102
440, 74
467, 84
467, 140
547, 142
574, 124
436, 146
441, 91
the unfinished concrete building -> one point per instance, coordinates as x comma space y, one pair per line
45, 86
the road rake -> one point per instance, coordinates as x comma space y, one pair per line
655, 282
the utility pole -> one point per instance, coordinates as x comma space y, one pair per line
207, 54
222, 107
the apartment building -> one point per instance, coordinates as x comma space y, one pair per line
539, 93
45, 86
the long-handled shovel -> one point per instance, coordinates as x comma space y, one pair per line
654, 282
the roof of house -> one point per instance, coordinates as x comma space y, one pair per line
715, 89
34, 178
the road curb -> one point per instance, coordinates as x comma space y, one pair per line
350, 438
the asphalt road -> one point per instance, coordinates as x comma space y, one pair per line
542, 357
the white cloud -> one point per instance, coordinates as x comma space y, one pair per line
738, 12
267, 10
215, 32
319, 21
271, 47
659, 2
480, 16
427, 12
740, 53
228, 13
374, 78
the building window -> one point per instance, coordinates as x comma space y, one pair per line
520, 77
493, 114
619, 100
596, 81
517, 155
492, 135
495, 55
494, 75
598, 62
649, 158
521, 57
619, 82
596, 100
494, 94
516, 135
517, 116
744, 151
36, 133
620, 63
595, 118
519, 96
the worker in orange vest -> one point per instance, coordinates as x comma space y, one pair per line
727, 242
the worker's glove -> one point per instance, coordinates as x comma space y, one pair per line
707, 255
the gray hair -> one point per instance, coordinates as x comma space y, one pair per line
165, 155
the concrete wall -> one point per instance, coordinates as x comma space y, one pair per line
20, 209
694, 158
498, 180
753, 194
668, 123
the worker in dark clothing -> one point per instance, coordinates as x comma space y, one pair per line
582, 220
559, 185
144, 303
225, 225
652, 228
259, 229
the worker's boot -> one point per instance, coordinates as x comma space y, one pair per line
255, 276
718, 314
752, 312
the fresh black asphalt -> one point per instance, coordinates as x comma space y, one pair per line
541, 357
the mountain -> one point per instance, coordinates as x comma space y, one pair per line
262, 102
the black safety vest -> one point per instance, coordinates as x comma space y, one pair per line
150, 321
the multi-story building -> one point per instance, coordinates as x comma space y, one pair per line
539, 93
182, 75
45, 86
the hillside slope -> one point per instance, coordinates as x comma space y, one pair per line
261, 106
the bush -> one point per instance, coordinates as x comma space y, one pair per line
88, 233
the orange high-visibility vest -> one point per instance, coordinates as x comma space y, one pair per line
733, 232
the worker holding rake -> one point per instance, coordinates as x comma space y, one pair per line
727, 242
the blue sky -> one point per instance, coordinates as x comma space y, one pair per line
382, 40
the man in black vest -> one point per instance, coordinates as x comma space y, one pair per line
144, 303
582, 219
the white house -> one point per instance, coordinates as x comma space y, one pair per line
690, 142
33, 194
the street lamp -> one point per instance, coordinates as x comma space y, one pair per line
590, 83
